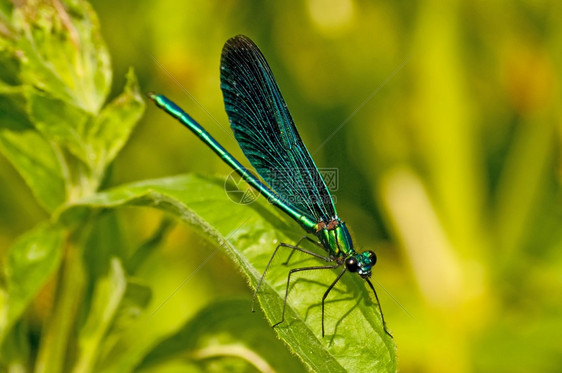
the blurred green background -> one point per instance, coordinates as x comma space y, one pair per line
443, 119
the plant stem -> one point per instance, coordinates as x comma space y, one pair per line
54, 345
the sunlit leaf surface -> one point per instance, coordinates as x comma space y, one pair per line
248, 234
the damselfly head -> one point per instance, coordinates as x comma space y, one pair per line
361, 263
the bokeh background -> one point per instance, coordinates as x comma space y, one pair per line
444, 121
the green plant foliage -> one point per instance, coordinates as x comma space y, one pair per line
72, 291
106, 299
48, 39
60, 81
442, 119
248, 233
59, 136
32, 261
222, 330
30, 153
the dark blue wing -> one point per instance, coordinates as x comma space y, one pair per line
266, 132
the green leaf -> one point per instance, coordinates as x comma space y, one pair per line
115, 299
107, 297
137, 297
56, 66
33, 157
355, 339
15, 349
61, 123
62, 52
95, 140
104, 242
225, 329
112, 128
31, 262
143, 252
174, 366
